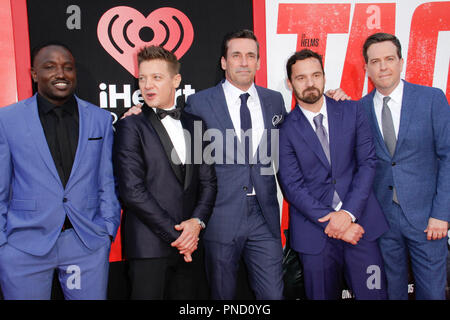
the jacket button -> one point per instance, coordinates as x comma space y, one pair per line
334, 181
390, 187
244, 188
393, 164
65, 200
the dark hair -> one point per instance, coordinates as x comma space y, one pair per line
302, 55
43, 45
381, 37
159, 53
241, 34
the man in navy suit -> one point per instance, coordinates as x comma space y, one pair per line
411, 126
246, 218
167, 194
327, 166
58, 207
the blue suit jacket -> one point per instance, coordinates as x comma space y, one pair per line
420, 167
33, 202
308, 181
230, 206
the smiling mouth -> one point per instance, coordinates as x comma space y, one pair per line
61, 84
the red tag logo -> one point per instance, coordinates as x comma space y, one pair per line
123, 31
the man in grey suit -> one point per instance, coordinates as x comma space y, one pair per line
411, 126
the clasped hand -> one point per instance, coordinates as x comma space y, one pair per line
187, 242
340, 227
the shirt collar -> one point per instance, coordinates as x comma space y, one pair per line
234, 92
395, 95
310, 115
70, 106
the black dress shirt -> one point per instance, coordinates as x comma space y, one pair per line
49, 121
62, 157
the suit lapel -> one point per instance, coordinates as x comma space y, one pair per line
266, 108
218, 104
335, 128
165, 142
376, 130
188, 130
310, 137
38, 135
408, 105
83, 136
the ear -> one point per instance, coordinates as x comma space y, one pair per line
223, 63
176, 80
33, 74
289, 84
258, 64
402, 62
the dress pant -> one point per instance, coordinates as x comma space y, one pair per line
360, 265
83, 274
262, 254
168, 278
428, 259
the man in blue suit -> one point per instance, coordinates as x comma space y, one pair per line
327, 166
58, 208
246, 218
411, 126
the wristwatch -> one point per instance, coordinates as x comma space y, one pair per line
201, 223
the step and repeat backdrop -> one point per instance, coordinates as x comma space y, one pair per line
104, 36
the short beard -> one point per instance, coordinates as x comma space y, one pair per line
310, 97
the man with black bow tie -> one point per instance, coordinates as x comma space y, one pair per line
167, 198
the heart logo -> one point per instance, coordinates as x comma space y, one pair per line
123, 31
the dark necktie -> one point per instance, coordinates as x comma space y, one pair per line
246, 124
389, 136
174, 113
321, 133
63, 144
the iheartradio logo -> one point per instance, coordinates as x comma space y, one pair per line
123, 31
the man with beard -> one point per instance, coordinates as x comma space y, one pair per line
335, 219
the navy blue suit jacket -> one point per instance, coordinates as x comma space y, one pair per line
308, 181
232, 177
420, 166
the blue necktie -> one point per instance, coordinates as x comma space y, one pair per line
246, 124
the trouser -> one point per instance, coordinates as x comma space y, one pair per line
261, 251
83, 273
428, 259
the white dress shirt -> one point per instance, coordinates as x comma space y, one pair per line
310, 117
395, 105
176, 134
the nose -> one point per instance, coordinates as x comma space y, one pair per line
60, 71
244, 61
148, 84
309, 81
383, 65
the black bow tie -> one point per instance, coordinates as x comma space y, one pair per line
174, 113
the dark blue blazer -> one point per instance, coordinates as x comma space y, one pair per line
420, 166
232, 177
308, 181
